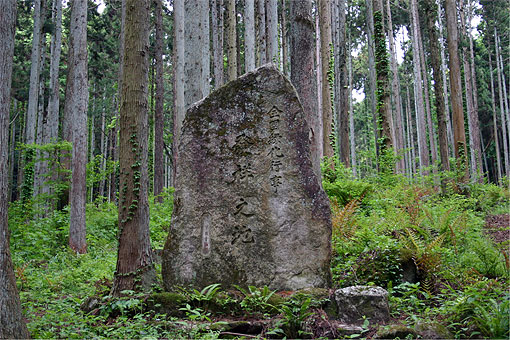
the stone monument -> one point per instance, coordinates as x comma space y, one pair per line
248, 208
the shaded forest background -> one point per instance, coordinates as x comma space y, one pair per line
409, 110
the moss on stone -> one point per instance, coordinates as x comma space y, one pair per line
166, 303
395, 331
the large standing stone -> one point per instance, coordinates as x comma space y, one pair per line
248, 209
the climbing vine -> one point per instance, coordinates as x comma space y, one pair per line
382, 93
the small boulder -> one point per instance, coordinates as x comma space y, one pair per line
355, 302
395, 332
432, 330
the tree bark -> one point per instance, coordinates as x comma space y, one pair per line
283, 26
249, 35
12, 152
261, 32
103, 144
495, 121
382, 87
272, 30
217, 40
352, 142
318, 74
231, 38
428, 112
302, 70
54, 95
456, 88
196, 51
113, 188
40, 166
395, 85
35, 69
501, 85
478, 143
418, 91
474, 133
11, 319
179, 53
449, 131
135, 270
158, 114
503, 80
341, 81
78, 108
438, 86
411, 145
372, 74
325, 48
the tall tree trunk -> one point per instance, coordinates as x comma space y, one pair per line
474, 142
428, 112
438, 86
283, 26
421, 127
91, 132
54, 91
318, 74
113, 188
160, 96
103, 143
231, 38
475, 117
179, 54
383, 94
372, 74
261, 32
456, 88
272, 30
495, 121
28, 172
35, 69
325, 48
40, 166
302, 70
12, 324
341, 81
52, 120
503, 80
78, 107
449, 131
217, 40
135, 269
196, 50
354, 166
249, 35
501, 85
12, 151
395, 85
410, 134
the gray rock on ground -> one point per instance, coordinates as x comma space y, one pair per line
355, 302
248, 208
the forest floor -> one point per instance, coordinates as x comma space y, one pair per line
457, 243
498, 228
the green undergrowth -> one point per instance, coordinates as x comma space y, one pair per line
429, 248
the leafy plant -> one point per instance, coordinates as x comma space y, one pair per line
257, 300
196, 314
294, 314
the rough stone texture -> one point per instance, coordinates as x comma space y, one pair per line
248, 209
396, 332
355, 302
432, 330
